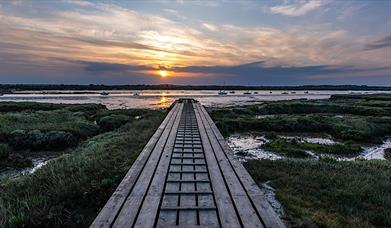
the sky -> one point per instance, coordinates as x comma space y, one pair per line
195, 42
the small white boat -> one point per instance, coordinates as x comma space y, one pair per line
222, 92
104, 93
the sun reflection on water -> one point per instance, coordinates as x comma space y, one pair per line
164, 102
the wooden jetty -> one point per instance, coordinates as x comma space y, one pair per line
186, 176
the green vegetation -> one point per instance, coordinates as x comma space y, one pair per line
28, 127
33, 106
329, 193
4, 151
387, 153
324, 192
37, 140
293, 148
70, 190
77, 123
344, 119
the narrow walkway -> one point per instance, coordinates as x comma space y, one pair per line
186, 176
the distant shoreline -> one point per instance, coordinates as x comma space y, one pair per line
9, 88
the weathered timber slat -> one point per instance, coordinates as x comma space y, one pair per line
186, 176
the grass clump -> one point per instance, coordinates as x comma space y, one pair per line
387, 153
35, 106
111, 122
294, 148
286, 148
59, 120
37, 140
329, 193
4, 151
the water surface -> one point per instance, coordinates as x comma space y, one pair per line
163, 98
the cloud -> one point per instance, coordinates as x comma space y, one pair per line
210, 27
102, 67
297, 8
381, 43
105, 38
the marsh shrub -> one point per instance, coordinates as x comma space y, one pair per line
109, 123
4, 151
85, 130
38, 140
387, 153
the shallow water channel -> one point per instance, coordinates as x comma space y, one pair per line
249, 147
38, 161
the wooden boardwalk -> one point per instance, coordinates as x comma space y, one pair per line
186, 176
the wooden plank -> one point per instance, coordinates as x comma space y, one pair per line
226, 210
247, 213
188, 217
149, 209
127, 215
266, 212
109, 212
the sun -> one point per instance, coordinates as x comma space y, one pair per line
163, 73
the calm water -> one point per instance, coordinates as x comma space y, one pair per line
163, 98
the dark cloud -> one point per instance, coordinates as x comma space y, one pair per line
101, 67
382, 43
259, 69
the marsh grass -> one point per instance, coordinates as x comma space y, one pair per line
70, 190
293, 148
57, 120
387, 153
324, 192
344, 119
35, 106
329, 193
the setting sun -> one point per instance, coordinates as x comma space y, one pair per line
163, 73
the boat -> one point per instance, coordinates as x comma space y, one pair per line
270, 92
232, 92
247, 93
306, 92
293, 92
255, 92
136, 94
222, 92
104, 93
284, 93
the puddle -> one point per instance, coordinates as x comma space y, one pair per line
324, 141
271, 197
248, 147
375, 152
38, 162
263, 116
